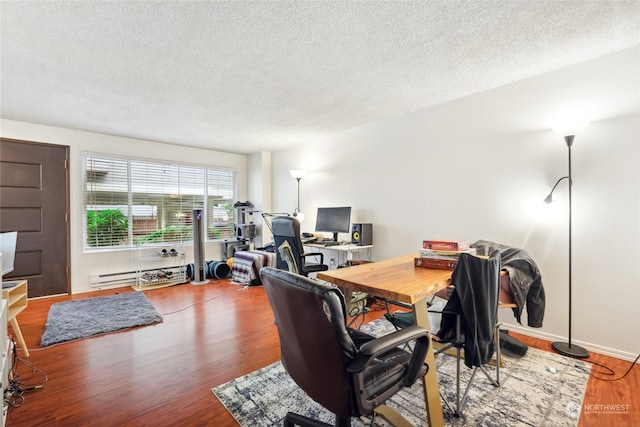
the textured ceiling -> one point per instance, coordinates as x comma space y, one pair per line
250, 76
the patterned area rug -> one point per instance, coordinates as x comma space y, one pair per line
539, 389
71, 320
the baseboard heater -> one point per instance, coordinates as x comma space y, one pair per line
114, 279
121, 278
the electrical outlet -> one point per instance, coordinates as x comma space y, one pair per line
332, 261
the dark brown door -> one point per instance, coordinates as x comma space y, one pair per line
34, 202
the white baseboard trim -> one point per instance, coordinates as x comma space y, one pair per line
589, 346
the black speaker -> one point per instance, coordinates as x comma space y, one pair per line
362, 234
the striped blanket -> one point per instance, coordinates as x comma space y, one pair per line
247, 265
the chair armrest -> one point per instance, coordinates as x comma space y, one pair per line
369, 350
310, 254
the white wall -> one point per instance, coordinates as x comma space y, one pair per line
259, 178
83, 265
479, 168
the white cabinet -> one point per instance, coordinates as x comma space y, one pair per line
159, 267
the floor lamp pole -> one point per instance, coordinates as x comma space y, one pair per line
567, 348
298, 175
298, 179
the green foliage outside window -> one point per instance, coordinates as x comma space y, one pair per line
106, 228
173, 233
228, 207
221, 231
176, 233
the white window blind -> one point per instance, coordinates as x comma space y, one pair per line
106, 202
220, 186
154, 201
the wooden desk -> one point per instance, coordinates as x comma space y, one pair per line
399, 280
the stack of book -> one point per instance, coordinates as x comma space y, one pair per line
442, 254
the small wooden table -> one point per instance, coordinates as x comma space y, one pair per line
16, 296
399, 280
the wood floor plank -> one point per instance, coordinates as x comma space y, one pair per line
162, 374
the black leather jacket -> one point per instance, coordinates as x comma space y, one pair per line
478, 305
525, 280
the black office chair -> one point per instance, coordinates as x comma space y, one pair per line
347, 371
357, 307
287, 229
469, 320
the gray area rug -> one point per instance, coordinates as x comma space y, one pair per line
71, 320
539, 389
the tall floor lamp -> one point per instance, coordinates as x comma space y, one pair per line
568, 131
298, 174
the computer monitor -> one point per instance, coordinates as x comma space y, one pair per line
8, 250
334, 220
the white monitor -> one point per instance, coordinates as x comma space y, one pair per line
8, 250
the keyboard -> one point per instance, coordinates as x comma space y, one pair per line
332, 243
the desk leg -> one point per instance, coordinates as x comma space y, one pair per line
18, 332
347, 296
430, 383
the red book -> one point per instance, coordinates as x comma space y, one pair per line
446, 245
443, 264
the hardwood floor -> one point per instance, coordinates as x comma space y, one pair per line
162, 375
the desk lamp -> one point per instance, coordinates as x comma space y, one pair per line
298, 174
266, 217
568, 127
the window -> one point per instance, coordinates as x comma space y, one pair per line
143, 202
